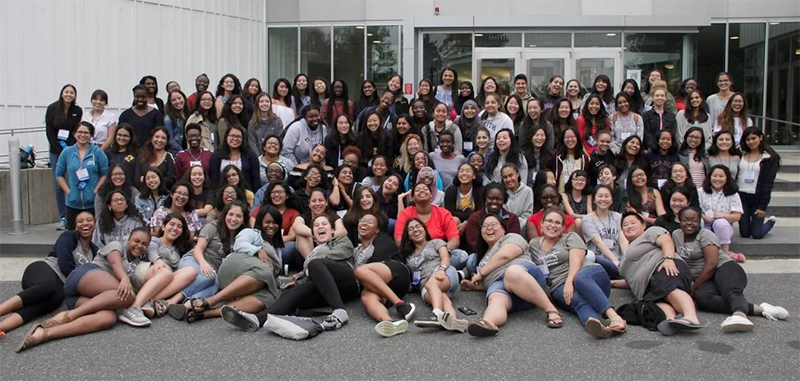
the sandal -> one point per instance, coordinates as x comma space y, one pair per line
177, 311
554, 323
57, 319
482, 328
161, 307
201, 308
617, 324
148, 309
596, 329
192, 316
30, 341
684, 324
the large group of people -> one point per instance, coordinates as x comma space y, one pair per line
195, 206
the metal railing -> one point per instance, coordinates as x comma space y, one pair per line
41, 154
780, 133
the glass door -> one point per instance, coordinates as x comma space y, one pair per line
591, 63
541, 66
502, 65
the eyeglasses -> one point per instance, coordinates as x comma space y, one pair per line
553, 222
640, 175
229, 193
278, 192
118, 201
234, 137
181, 194
313, 174
118, 175
493, 225
369, 222
412, 228
272, 144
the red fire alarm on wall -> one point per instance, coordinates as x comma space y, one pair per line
436, 11
409, 88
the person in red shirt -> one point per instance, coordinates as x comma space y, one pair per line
438, 220
549, 198
195, 154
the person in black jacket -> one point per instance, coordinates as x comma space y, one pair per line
601, 156
464, 197
60, 120
660, 159
657, 119
234, 150
43, 281
383, 276
755, 190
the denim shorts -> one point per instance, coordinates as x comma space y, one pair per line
452, 275
517, 304
71, 293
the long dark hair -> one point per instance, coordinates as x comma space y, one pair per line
209, 115
225, 150
288, 98
133, 144
459, 102
189, 206
608, 94
688, 111
61, 111
237, 85
481, 97
558, 125
636, 101
337, 139
219, 196
763, 147
144, 79
670, 216
545, 153
107, 216
579, 173
634, 197
330, 110
315, 96
182, 243
454, 88
621, 161
407, 246
512, 156
148, 151
249, 96
297, 96
108, 186
714, 149
145, 192
483, 247
277, 240
367, 141
233, 119
226, 236
242, 185
562, 149
356, 212
597, 122
728, 189
517, 119
173, 114
700, 151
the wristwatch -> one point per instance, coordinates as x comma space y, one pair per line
669, 257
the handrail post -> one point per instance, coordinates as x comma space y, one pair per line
17, 225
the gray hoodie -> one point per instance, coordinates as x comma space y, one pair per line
300, 139
122, 230
520, 202
258, 132
430, 137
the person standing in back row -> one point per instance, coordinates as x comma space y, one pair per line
60, 120
142, 117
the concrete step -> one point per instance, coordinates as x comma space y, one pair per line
787, 182
780, 242
785, 204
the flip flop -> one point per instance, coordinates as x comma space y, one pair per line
596, 329
177, 311
161, 307
482, 328
683, 324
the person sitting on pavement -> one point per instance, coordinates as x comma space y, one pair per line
575, 286
43, 281
511, 280
718, 280
429, 261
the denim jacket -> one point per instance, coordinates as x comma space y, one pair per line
69, 162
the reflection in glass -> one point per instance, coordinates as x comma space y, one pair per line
348, 57
440, 50
282, 54
540, 70
648, 51
783, 83
589, 68
710, 43
315, 52
498, 40
502, 69
746, 63
383, 54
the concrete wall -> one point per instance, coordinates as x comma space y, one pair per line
325, 10
111, 44
38, 197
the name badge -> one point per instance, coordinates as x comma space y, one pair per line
63, 134
467, 146
415, 279
195, 163
750, 177
661, 182
83, 174
645, 214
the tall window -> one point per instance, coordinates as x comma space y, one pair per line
783, 83
383, 53
315, 52
648, 51
282, 55
440, 50
348, 57
746, 62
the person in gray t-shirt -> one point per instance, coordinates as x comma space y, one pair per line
511, 280
445, 160
719, 282
575, 286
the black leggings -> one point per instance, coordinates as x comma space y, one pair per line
42, 291
724, 293
329, 284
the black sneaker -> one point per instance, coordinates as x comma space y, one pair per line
405, 310
430, 320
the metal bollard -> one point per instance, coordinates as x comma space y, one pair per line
17, 225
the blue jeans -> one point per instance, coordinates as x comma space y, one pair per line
290, 256
458, 259
517, 303
62, 207
472, 263
202, 286
751, 225
611, 269
590, 299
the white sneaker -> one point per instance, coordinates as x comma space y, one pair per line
771, 218
774, 312
389, 328
736, 323
134, 316
451, 323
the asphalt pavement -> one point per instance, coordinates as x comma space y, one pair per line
524, 349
